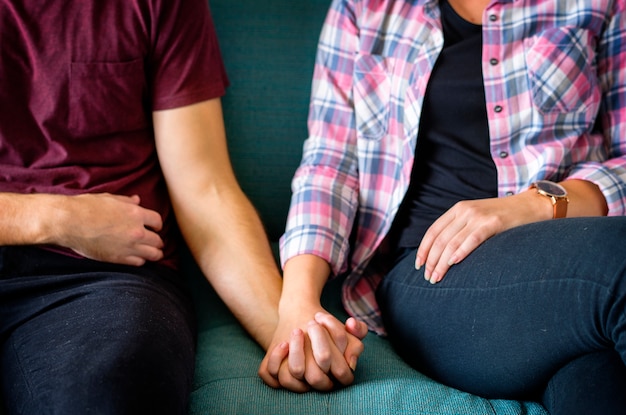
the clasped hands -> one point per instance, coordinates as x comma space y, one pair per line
319, 354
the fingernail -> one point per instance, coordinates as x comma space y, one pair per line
427, 275
418, 263
353, 361
434, 278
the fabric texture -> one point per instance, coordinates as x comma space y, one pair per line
591, 384
511, 315
82, 79
453, 159
79, 81
78, 336
270, 65
227, 360
554, 82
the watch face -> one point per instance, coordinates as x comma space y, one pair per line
551, 188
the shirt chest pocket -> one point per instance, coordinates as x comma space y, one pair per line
561, 70
382, 95
106, 98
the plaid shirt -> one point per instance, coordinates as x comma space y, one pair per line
555, 86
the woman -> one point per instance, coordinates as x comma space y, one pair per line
448, 141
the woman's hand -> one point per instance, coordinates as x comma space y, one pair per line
279, 368
316, 354
347, 337
310, 348
460, 230
470, 223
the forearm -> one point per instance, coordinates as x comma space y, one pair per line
219, 224
585, 199
28, 219
103, 227
228, 241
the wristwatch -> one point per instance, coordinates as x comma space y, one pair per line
556, 193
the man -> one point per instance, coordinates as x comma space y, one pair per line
111, 124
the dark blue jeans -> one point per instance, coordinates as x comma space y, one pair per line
79, 336
537, 312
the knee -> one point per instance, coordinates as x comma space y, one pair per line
125, 356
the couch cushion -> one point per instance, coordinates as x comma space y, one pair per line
226, 381
269, 51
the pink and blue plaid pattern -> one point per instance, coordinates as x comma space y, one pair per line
555, 86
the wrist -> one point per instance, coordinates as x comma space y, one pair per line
53, 218
295, 303
538, 207
304, 278
555, 194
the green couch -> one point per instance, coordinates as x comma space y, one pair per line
269, 49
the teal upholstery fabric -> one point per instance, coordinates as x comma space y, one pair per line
269, 50
226, 380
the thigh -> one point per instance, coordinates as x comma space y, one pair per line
527, 301
110, 342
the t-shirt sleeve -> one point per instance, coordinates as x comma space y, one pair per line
185, 64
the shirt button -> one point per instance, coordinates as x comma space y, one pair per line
493, 61
504, 154
493, 17
509, 193
498, 108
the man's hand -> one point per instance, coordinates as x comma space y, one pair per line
310, 348
108, 228
315, 355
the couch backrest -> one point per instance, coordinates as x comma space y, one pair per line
269, 51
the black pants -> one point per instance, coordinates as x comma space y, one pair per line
82, 337
537, 312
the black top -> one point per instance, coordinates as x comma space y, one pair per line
452, 158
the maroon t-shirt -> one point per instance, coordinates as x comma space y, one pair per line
79, 80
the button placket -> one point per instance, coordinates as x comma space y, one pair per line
492, 53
